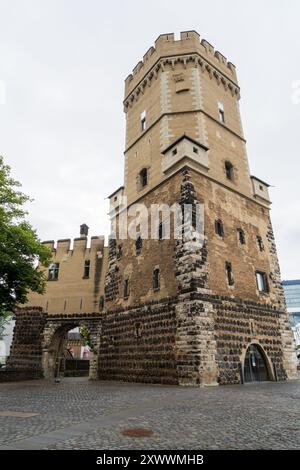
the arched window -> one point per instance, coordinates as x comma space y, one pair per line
219, 229
144, 177
229, 171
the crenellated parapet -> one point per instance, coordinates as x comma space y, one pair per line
81, 244
169, 52
75, 276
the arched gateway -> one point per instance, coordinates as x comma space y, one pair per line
255, 365
39, 340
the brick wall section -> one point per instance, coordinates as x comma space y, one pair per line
137, 345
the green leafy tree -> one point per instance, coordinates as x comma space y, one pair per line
20, 248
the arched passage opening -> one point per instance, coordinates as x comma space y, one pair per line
69, 351
256, 365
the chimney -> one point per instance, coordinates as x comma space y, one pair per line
84, 230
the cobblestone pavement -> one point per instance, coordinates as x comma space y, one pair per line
78, 414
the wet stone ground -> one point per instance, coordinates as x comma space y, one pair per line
78, 414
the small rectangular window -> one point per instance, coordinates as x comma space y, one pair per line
53, 271
260, 243
156, 279
228, 268
221, 112
241, 235
126, 288
161, 231
262, 281
219, 228
143, 121
195, 150
86, 270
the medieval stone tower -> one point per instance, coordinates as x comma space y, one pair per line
184, 311
185, 143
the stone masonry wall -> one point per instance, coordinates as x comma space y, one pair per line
137, 345
26, 352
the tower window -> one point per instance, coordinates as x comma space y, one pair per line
143, 121
126, 288
86, 269
260, 243
144, 177
229, 171
101, 303
229, 274
221, 112
219, 229
262, 281
119, 251
156, 279
195, 150
138, 245
174, 152
241, 236
161, 231
53, 272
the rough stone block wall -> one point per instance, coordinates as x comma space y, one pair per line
26, 352
138, 345
237, 324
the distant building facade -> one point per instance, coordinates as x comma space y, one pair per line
292, 297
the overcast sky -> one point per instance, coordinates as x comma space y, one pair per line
64, 62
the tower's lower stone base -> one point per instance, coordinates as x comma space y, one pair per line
200, 340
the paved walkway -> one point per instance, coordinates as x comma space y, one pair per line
78, 414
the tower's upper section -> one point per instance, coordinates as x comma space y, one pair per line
166, 47
182, 107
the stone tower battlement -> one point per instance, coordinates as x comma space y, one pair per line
166, 46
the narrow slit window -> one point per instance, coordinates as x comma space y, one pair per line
86, 269
138, 245
219, 228
241, 236
260, 243
161, 231
221, 112
143, 121
126, 288
156, 279
229, 273
229, 171
144, 177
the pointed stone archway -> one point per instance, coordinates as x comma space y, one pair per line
256, 367
54, 339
